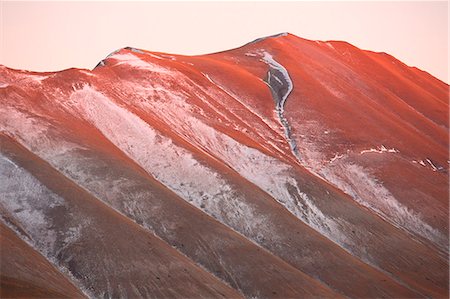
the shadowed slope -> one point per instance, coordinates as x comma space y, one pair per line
25, 273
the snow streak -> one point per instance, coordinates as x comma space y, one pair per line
281, 86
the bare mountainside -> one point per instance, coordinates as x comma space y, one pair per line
286, 168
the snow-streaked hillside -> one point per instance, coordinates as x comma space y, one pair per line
286, 168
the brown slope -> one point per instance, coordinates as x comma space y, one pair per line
27, 274
122, 259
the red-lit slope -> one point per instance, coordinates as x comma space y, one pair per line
284, 168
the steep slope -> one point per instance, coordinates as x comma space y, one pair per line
25, 273
285, 168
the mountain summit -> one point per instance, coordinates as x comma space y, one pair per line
286, 168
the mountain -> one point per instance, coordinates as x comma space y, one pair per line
286, 168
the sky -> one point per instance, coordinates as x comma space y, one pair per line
50, 36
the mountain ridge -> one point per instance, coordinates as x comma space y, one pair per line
276, 35
164, 139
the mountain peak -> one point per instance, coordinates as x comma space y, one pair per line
282, 34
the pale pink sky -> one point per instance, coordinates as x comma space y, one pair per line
48, 36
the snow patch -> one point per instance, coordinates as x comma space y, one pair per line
365, 189
31, 204
154, 56
31, 130
432, 165
87, 73
135, 50
9, 161
280, 92
136, 62
329, 45
336, 156
28, 201
381, 149
266, 37
369, 192
170, 164
144, 53
32, 78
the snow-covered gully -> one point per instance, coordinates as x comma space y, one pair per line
280, 85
